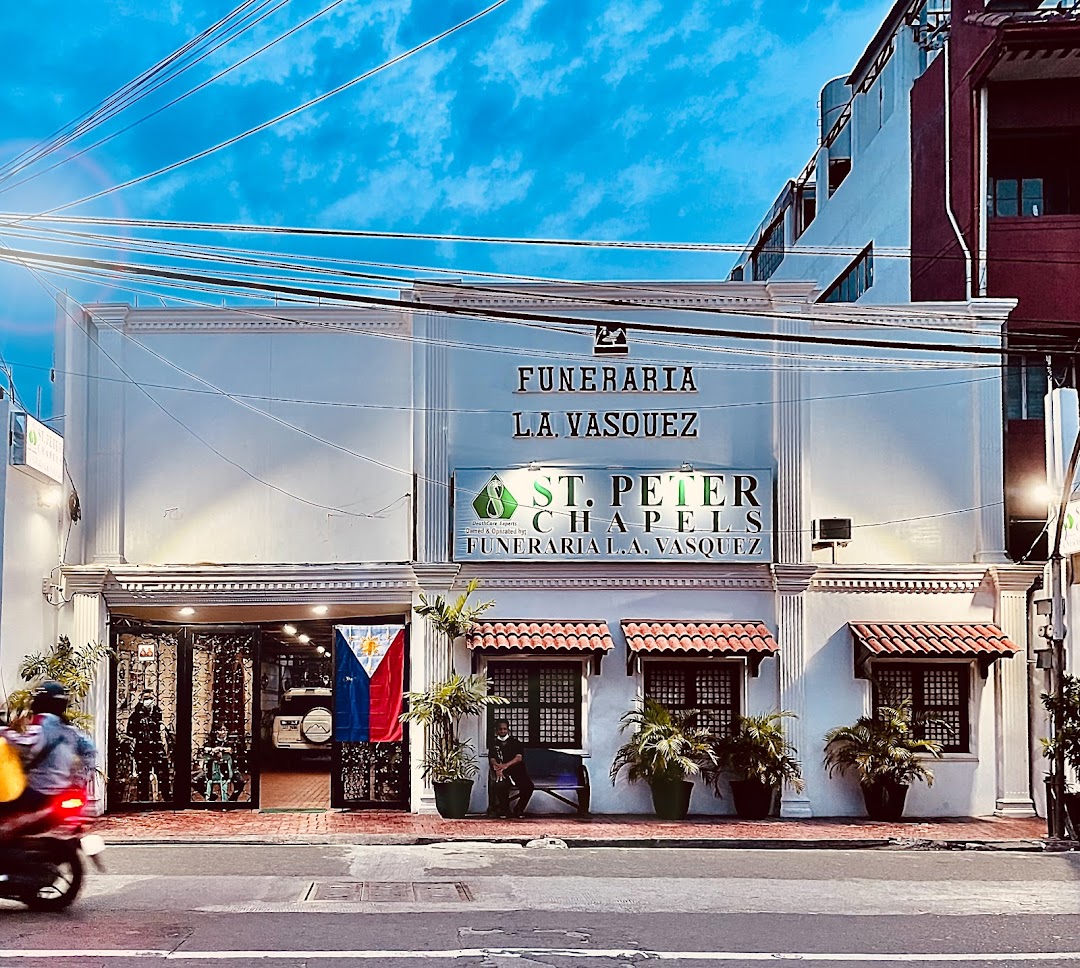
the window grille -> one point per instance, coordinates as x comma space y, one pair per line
544, 702
939, 700
710, 687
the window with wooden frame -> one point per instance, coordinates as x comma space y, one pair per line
543, 702
712, 688
939, 694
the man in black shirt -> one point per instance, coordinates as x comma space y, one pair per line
507, 758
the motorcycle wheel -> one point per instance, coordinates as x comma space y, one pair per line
63, 889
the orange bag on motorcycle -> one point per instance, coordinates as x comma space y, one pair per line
12, 776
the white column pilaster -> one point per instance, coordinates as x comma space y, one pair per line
105, 515
432, 445
989, 470
791, 584
91, 624
793, 570
1013, 746
431, 660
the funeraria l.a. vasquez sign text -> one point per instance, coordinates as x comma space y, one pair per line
548, 424
541, 514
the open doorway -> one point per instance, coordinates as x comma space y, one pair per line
297, 694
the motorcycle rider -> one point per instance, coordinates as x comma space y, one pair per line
55, 755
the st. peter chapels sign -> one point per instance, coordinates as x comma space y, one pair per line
592, 513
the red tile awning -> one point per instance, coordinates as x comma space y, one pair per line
528, 637
707, 639
930, 640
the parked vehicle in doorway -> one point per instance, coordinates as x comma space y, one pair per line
305, 722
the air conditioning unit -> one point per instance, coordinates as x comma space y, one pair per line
831, 531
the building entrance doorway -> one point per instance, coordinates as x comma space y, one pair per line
244, 716
297, 697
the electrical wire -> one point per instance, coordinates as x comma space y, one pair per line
385, 65
131, 91
181, 97
497, 315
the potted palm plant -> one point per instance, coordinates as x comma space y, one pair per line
885, 754
449, 761
1067, 707
664, 750
757, 759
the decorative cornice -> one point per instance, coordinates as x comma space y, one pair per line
1014, 578
921, 579
86, 580
635, 295
249, 584
250, 319
608, 575
793, 579
438, 575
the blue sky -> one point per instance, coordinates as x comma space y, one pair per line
620, 119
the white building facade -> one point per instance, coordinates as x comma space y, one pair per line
644, 521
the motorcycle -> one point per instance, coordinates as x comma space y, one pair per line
43, 867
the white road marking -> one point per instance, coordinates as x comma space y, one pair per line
632, 954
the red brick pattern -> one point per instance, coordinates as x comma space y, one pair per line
529, 636
933, 639
734, 638
383, 827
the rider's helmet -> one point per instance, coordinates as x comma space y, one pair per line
50, 697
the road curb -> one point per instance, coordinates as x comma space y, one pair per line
689, 843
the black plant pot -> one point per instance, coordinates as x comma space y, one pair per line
671, 798
753, 798
452, 798
1072, 811
884, 799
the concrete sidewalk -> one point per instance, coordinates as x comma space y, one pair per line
334, 827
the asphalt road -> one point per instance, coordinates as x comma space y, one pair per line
502, 906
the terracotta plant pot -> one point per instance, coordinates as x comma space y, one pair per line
884, 799
753, 798
671, 798
452, 798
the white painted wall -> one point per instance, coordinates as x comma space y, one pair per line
183, 503
32, 535
892, 447
873, 203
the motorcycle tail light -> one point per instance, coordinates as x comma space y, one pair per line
72, 803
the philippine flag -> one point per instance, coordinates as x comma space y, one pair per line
369, 671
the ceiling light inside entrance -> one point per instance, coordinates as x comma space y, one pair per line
320, 609
289, 629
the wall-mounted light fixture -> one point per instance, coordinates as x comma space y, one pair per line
686, 467
187, 610
319, 609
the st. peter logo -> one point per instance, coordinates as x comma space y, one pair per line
495, 501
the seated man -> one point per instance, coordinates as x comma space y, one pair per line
507, 758
56, 757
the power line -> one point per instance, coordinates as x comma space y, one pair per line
519, 316
186, 94
282, 117
441, 484
132, 91
250, 257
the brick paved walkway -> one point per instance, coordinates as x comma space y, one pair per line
401, 828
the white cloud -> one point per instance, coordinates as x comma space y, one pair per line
534, 69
